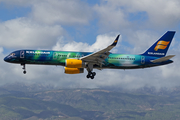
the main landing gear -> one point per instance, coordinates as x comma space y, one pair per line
24, 68
91, 75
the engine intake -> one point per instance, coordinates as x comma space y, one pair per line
73, 70
75, 63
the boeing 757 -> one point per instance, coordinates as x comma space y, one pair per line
76, 62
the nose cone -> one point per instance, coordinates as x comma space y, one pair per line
6, 59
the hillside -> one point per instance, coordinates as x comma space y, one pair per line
87, 104
22, 108
116, 105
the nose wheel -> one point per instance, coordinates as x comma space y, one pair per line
91, 75
24, 72
24, 68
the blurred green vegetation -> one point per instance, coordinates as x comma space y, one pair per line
87, 104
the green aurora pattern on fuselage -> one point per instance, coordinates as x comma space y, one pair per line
114, 61
154, 56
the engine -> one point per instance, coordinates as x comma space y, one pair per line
75, 63
73, 70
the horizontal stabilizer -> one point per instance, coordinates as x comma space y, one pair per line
163, 59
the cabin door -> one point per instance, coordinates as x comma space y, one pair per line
54, 55
21, 54
142, 60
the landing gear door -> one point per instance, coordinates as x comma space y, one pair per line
21, 54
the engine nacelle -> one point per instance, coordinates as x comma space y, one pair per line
75, 63
73, 70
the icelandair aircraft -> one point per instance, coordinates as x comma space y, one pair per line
76, 62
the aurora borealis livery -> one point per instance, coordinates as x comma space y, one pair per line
76, 62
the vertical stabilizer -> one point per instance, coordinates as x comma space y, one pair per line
160, 48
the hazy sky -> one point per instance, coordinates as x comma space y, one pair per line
89, 25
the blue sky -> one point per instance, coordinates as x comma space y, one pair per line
12, 12
89, 25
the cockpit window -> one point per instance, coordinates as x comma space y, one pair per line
12, 54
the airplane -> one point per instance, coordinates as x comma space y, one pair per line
76, 62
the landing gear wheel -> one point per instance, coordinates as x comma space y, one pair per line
92, 77
93, 74
88, 76
24, 72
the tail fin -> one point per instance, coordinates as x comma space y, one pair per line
160, 48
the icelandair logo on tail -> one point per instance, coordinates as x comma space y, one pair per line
161, 45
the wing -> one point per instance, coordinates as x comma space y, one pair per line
100, 56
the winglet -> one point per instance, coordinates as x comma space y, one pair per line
115, 41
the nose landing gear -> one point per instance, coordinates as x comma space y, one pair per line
24, 68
